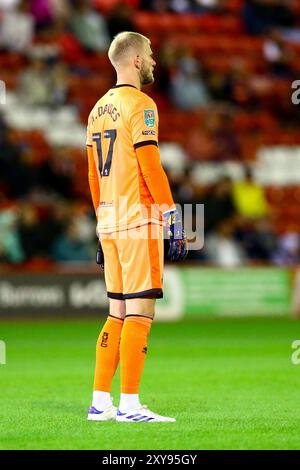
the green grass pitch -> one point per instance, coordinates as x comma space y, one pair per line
229, 383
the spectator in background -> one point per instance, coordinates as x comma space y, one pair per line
261, 15
218, 204
257, 238
61, 9
249, 198
227, 143
70, 50
288, 251
47, 12
17, 28
208, 6
159, 6
55, 224
238, 85
277, 55
29, 231
84, 223
89, 27
180, 6
42, 11
8, 5
9, 155
254, 230
38, 232
42, 83
59, 84
219, 85
35, 83
221, 248
17, 175
120, 19
57, 172
188, 90
200, 144
167, 57
183, 6
10, 247
214, 140
70, 246
184, 189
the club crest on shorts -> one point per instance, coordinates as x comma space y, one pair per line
149, 117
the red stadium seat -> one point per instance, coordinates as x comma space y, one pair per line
34, 141
105, 6
234, 5
97, 63
12, 62
275, 195
169, 23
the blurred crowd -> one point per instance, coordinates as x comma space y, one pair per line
46, 214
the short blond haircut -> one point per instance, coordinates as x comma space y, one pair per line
125, 42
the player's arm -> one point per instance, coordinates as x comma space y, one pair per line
144, 128
154, 175
95, 193
93, 178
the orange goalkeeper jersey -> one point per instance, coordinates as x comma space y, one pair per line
122, 121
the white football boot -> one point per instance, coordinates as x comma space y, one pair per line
142, 414
107, 414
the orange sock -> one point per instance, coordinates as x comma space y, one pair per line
133, 349
107, 353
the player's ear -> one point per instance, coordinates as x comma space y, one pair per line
137, 62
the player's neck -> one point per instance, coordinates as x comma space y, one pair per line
124, 79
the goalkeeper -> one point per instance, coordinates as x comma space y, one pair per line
124, 164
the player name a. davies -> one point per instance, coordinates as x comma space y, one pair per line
110, 109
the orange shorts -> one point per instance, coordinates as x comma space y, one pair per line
133, 262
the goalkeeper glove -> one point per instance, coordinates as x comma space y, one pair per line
100, 256
178, 249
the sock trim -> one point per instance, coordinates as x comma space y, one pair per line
115, 318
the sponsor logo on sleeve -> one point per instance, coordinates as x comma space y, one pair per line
148, 132
149, 117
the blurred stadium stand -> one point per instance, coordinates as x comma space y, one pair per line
223, 90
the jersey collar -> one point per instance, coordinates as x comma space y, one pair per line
124, 84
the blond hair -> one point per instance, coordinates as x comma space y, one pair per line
125, 42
